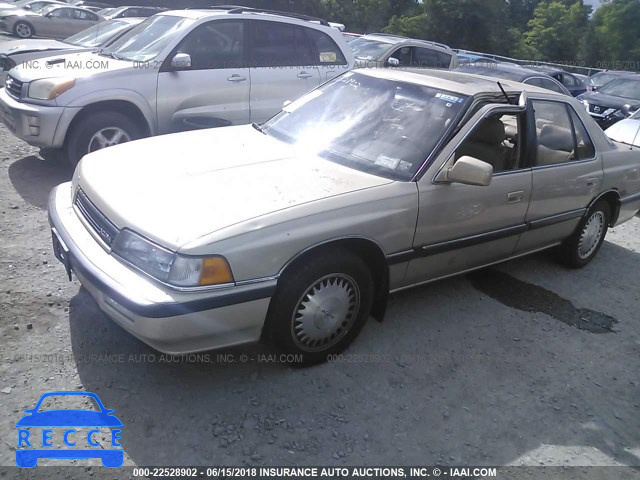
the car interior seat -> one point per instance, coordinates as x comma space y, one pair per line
555, 145
486, 143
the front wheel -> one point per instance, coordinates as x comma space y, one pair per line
97, 131
23, 30
321, 305
581, 247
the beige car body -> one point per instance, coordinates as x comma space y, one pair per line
261, 204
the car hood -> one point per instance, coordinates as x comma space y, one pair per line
625, 131
76, 65
609, 101
177, 188
28, 46
69, 418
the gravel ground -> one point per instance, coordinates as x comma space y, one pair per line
525, 364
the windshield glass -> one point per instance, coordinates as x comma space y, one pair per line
367, 49
622, 87
98, 34
113, 12
380, 126
147, 40
602, 78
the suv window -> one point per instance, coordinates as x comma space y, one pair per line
278, 44
430, 58
495, 140
556, 137
213, 45
326, 51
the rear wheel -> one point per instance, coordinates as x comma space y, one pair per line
321, 305
23, 30
583, 245
97, 131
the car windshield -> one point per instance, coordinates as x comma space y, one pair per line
68, 402
600, 79
98, 34
367, 49
384, 127
147, 40
622, 87
45, 9
113, 12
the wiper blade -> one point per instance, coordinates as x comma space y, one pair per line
259, 128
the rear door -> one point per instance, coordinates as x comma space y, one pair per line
567, 175
214, 91
282, 66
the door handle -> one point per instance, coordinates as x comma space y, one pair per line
591, 182
304, 75
236, 78
515, 197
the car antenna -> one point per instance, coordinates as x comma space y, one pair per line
504, 93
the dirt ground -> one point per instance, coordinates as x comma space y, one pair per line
525, 364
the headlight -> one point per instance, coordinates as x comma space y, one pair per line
50, 88
586, 104
169, 267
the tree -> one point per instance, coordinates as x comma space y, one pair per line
368, 15
556, 32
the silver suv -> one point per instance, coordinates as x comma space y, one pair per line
384, 50
176, 71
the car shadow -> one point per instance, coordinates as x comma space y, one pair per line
451, 376
34, 178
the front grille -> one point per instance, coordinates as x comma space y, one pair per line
100, 224
14, 87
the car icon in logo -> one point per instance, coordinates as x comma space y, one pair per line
33, 447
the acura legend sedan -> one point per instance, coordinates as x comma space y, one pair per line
297, 230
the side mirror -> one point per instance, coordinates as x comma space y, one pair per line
522, 101
181, 61
393, 62
470, 171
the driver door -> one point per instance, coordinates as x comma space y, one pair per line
461, 227
214, 90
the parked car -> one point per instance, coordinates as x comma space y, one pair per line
27, 5
372, 183
58, 21
101, 35
573, 83
89, 4
350, 37
599, 79
626, 131
123, 12
182, 70
515, 73
614, 101
384, 50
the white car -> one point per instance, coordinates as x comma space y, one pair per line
626, 131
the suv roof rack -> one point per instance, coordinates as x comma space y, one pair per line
241, 9
437, 44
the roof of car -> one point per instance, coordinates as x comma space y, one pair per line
397, 39
464, 83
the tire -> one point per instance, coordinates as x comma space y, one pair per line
85, 136
583, 245
23, 30
335, 289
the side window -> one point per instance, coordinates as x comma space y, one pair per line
568, 81
495, 140
550, 85
325, 50
82, 15
585, 148
279, 45
403, 55
556, 142
428, 58
214, 45
62, 13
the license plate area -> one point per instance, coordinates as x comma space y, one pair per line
61, 251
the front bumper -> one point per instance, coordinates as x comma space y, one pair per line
40, 126
170, 321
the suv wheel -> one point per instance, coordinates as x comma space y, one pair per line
321, 305
23, 30
98, 131
581, 247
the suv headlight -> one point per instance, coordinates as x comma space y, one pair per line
50, 88
169, 267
